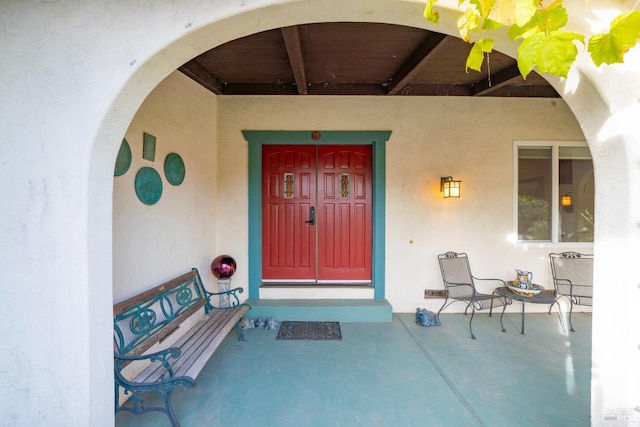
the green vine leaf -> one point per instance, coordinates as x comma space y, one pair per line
484, 6
490, 24
430, 14
552, 54
509, 12
528, 53
545, 20
468, 22
476, 54
544, 45
610, 48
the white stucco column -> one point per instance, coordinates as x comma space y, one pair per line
607, 104
73, 74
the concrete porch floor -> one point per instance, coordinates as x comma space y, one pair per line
396, 374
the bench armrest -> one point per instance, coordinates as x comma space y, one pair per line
161, 356
164, 385
166, 382
233, 299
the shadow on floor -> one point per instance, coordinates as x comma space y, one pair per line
396, 374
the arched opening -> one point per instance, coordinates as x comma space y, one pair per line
585, 101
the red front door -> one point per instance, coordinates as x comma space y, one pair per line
316, 213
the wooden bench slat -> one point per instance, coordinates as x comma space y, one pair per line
200, 341
201, 334
210, 347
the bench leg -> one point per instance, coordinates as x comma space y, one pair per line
170, 414
138, 407
240, 333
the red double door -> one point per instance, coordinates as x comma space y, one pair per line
316, 213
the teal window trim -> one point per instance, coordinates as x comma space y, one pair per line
256, 139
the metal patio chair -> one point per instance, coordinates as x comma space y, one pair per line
459, 285
573, 278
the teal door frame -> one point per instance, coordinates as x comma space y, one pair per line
258, 138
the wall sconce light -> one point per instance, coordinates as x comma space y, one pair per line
566, 202
449, 187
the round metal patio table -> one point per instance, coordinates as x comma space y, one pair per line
541, 298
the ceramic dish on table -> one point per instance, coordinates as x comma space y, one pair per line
531, 291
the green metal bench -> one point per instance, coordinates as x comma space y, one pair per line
148, 319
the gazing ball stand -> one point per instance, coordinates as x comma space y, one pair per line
223, 267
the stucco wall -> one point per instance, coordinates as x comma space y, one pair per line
469, 138
153, 243
75, 74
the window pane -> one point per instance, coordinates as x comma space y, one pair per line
576, 190
534, 193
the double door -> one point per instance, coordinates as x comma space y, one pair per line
316, 213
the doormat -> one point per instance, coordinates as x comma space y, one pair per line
309, 331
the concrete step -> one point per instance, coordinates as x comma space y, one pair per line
327, 310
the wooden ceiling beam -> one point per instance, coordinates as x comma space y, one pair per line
435, 89
291, 37
496, 81
198, 73
404, 75
260, 89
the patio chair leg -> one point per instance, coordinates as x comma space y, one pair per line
501, 324
473, 337
446, 298
570, 313
564, 329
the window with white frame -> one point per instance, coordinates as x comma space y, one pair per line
555, 191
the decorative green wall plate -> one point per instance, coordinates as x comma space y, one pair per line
123, 161
148, 185
148, 147
174, 169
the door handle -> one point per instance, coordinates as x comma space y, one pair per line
312, 216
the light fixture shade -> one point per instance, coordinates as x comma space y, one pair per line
449, 187
566, 200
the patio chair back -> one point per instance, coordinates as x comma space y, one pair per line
573, 278
456, 275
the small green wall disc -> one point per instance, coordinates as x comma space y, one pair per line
148, 185
123, 161
174, 169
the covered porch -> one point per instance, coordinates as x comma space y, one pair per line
397, 374
77, 239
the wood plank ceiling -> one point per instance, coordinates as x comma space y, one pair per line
349, 58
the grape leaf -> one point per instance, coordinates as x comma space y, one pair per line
430, 14
476, 54
551, 18
552, 54
508, 12
468, 22
627, 26
483, 6
558, 53
603, 49
490, 24
623, 34
528, 53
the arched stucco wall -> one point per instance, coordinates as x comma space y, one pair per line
78, 71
